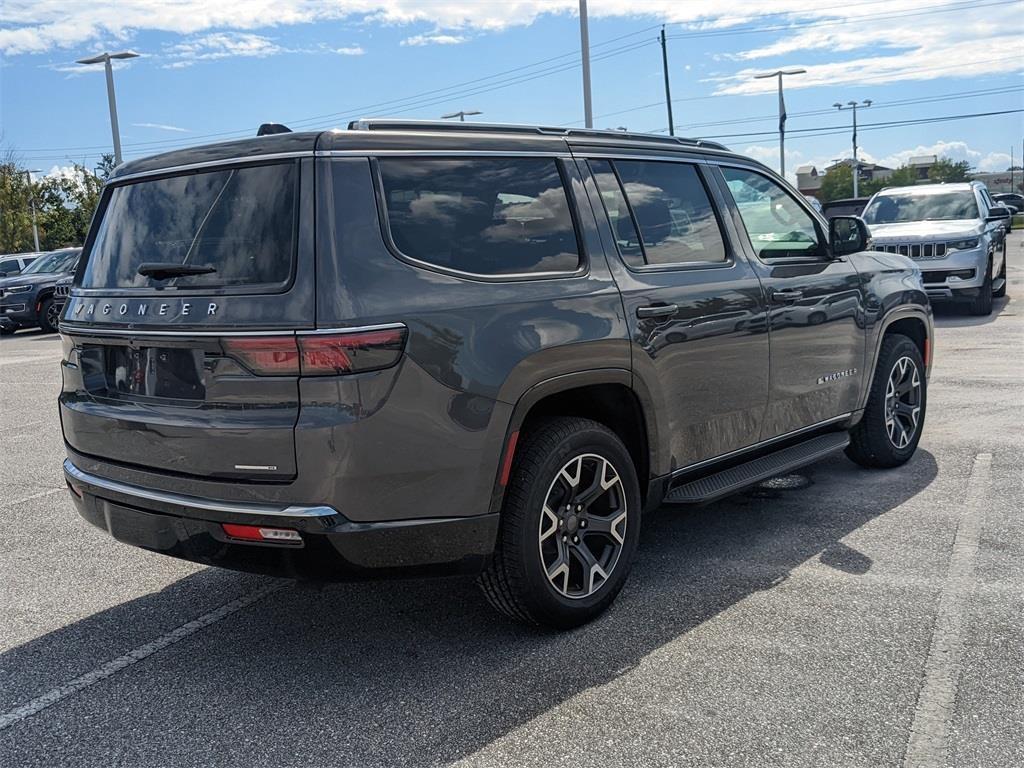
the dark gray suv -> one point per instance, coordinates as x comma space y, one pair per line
413, 348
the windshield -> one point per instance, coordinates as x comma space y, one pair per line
895, 207
57, 261
235, 226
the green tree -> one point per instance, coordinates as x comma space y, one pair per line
66, 204
15, 199
904, 176
837, 183
946, 170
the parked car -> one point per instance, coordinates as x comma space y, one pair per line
13, 263
468, 348
26, 300
1012, 200
851, 206
954, 231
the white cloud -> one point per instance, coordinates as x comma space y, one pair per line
955, 151
435, 39
351, 50
161, 127
220, 45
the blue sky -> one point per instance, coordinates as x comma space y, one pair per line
211, 72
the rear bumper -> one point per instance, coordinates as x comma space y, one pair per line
332, 548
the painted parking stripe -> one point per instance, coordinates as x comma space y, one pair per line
38, 495
928, 746
134, 656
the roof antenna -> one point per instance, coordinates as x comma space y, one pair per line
271, 128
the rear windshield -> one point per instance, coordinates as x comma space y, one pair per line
238, 223
896, 207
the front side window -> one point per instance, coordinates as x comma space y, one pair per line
910, 205
500, 216
236, 225
777, 225
670, 207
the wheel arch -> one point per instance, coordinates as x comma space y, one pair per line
605, 395
911, 321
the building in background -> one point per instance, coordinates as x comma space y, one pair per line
808, 178
1001, 181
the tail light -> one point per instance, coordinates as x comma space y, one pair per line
319, 354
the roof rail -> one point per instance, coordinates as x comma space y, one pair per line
385, 124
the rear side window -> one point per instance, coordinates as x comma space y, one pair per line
239, 222
668, 205
498, 216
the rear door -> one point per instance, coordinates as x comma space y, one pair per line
180, 352
815, 304
694, 308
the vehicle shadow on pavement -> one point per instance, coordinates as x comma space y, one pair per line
424, 672
958, 315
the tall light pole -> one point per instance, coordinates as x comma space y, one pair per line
105, 58
856, 164
32, 204
461, 114
588, 112
782, 113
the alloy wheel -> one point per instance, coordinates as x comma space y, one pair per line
903, 402
52, 315
583, 526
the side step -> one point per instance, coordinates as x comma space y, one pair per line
729, 481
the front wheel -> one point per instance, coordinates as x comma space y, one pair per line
981, 305
49, 316
569, 526
890, 429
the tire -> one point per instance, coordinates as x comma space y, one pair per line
49, 316
871, 444
1002, 274
7, 331
533, 543
981, 305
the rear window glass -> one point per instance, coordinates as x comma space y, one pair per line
238, 222
484, 216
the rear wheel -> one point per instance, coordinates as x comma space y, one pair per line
890, 429
569, 526
49, 316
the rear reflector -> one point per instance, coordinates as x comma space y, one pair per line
256, 533
326, 354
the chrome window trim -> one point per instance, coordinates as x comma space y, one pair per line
194, 502
761, 444
172, 169
369, 153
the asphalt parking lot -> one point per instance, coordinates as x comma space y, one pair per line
866, 619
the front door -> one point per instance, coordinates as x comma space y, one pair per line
695, 310
815, 305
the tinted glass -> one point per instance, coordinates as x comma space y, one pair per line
10, 266
893, 207
777, 225
672, 211
626, 238
490, 217
54, 262
238, 221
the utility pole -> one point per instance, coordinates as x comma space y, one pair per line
32, 204
461, 114
668, 91
105, 59
856, 164
782, 113
588, 112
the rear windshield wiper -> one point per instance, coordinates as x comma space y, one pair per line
163, 270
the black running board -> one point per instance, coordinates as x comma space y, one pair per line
997, 284
734, 479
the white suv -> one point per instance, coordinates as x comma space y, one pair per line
955, 232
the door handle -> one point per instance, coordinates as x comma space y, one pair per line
786, 296
657, 310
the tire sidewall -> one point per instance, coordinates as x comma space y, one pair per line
547, 602
904, 348
44, 311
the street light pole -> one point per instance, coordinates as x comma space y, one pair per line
856, 164
105, 59
588, 112
782, 113
32, 204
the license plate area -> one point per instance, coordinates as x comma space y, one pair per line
134, 372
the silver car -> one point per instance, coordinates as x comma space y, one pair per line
955, 232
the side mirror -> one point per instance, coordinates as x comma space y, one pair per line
998, 213
848, 234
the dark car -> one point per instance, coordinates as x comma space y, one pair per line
850, 206
26, 299
1012, 200
421, 348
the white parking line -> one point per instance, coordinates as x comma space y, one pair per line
39, 495
929, 733
112, 667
